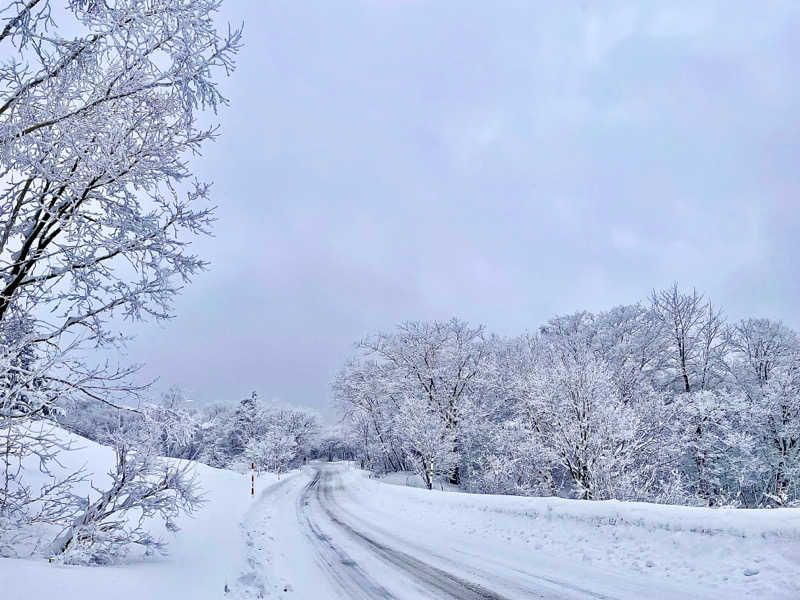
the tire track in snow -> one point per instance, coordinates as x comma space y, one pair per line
552, 589
337, 563
442, 583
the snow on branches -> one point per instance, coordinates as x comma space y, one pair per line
143, 486
662, 401
94, 135
97, 207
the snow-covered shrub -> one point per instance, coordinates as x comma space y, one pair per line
143, 487
272, 451
28, 505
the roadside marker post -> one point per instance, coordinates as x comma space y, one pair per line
252, 479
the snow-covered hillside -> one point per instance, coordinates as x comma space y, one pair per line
202, 554
329, 531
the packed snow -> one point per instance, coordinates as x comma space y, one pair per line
330, 530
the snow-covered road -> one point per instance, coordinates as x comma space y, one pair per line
320, 506
338, 547
327, 531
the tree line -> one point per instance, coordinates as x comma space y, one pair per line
223, 435
663, 401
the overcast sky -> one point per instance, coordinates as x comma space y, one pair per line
502, 162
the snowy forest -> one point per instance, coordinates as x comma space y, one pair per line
662, 401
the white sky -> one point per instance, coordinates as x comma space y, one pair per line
498, 161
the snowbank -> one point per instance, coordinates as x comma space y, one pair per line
672, 551
204, 556
412, 479
764, 523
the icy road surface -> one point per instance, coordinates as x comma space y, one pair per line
328, 532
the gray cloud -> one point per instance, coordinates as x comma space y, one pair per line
502, 162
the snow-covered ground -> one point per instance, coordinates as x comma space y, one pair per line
330, 531
206, 550
411, 479
608, 549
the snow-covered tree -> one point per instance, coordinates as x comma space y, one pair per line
778, 416
97, 199
660, 401
693, 341
273, 450
363, 391
437, 362
627, 339
94, 135
223, 436
332, 443
573, 403
428, 442
244, 424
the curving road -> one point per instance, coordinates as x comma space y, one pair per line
315, 536
437, 583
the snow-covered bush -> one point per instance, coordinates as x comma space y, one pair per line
272, 451
28, 504
144, 487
